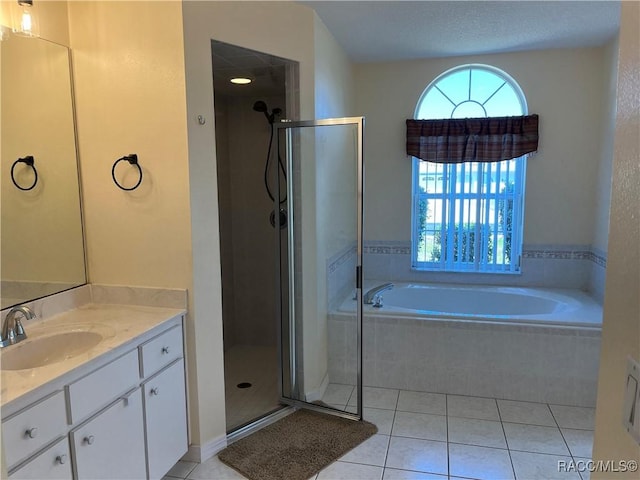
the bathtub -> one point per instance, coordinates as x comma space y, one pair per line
558, 307
526, 344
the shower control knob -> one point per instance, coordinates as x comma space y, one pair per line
61, 459
165, 350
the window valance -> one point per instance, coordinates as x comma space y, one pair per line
490, 139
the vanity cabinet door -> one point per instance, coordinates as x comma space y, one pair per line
111, 444
166, 419
53, 464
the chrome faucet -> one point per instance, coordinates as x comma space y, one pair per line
370, 296
12, 329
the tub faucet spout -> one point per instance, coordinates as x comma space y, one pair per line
372, 293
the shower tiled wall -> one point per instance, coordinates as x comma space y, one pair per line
598, 274
553, 266
341, 269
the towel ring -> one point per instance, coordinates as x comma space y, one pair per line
30, 161
133, 160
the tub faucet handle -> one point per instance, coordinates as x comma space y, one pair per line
377, 301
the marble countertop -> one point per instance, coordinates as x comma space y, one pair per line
121, 326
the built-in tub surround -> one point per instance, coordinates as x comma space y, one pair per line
535, 356
579, 267
525, 306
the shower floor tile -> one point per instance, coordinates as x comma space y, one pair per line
255, 365
430, 436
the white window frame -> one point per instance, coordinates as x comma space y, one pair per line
483, 197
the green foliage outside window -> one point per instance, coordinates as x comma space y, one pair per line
505, 217
423, 216
465, 249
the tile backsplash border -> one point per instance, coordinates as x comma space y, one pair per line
550, 265
554, 252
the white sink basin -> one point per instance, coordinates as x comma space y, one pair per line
48, 349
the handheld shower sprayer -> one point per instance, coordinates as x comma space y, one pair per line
261, 107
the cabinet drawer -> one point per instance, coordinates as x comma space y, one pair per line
53, 464
161, 351
34, 427
99, 388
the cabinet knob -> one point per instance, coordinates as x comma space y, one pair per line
165, 350
32, 432
89, 440
61, 459
154, 391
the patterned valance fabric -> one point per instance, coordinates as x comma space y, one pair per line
461, 140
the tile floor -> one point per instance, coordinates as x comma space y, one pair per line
429, 436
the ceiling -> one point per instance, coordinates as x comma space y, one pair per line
376, 31
267, 72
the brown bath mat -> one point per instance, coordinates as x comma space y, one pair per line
296, 447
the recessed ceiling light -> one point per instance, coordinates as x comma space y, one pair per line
240, 80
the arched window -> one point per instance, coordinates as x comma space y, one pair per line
469, 216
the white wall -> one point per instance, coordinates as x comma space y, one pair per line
603, 180
563, 86
621, 327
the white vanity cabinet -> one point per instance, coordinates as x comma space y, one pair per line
54, 464
166, 419
111, 444
124, 419
32, 428
162, 366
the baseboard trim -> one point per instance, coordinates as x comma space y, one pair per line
317, 394
202, 453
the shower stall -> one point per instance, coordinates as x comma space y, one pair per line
290, 215
247, 243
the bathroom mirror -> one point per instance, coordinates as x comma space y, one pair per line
42, 247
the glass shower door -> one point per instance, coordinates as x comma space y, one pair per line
320, 264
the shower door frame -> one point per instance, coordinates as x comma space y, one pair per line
291, 344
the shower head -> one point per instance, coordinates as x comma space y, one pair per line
260, 106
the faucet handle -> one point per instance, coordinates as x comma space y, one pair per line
12, 329
20, 333
377, 301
